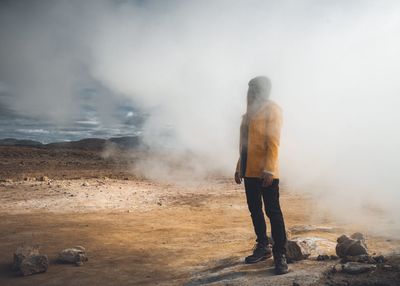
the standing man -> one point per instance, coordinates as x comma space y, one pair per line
258, 166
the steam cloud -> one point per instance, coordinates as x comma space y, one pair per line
334, 67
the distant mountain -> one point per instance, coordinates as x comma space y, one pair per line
95, 144
18, 142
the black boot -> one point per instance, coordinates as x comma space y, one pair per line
281, 266
260, 252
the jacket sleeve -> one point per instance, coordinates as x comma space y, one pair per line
238, 166
240, 147
272, 140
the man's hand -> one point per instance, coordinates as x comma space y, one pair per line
266, 179
238, 180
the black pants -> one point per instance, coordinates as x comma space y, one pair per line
255, 195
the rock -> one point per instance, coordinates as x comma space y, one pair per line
28, 260
43, 179
379, 259
357, 268
297, 250
34, 264
75, 255
363, 258
312, 246
388, 267
357, 236
85, 184
23, 252
351, 246
334, 268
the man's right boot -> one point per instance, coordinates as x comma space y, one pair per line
281, 266
260, 252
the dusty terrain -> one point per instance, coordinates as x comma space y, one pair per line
140, 232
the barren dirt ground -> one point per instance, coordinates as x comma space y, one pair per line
138, 232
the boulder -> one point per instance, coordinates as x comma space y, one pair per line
357, 268
28, 260
76, 255
351, 246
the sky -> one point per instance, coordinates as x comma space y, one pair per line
86, 67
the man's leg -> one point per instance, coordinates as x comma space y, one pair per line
254, 203
273, 210
261, 250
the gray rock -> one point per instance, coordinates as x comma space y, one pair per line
28, 260
297, 250
34, 264
357, 236
22, 253
76, 255
351, 246
357, 268
363, 258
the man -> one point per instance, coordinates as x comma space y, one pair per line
258, 166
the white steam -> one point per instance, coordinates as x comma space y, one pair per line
334, 67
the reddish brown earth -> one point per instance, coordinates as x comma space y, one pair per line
140, 232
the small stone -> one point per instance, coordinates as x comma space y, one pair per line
357, 268
297, 250
334, 269
351, 247
76, 255
44, 179
379, 259
357, 236
85, 184
28, 260
34, 264
387, 267
23, 252
363, 258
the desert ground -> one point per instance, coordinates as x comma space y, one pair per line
149, 232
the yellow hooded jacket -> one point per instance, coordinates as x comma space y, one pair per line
263, 139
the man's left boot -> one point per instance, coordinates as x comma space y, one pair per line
281, 266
